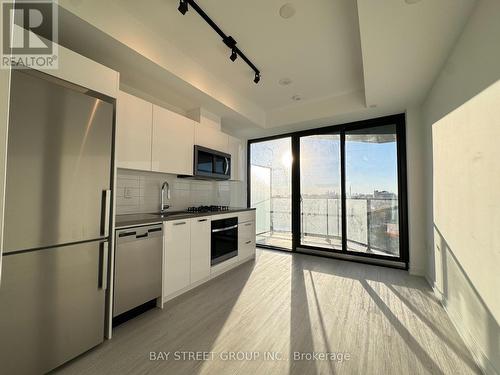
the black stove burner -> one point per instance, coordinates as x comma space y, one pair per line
208, 208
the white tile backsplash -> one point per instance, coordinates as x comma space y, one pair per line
139, 192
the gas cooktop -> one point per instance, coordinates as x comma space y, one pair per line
208, 208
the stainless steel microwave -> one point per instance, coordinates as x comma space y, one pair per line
211, 164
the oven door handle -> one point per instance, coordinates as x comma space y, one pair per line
224, 229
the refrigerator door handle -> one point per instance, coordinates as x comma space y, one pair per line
107, 210
103, 279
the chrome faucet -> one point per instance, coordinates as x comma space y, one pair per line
164, 188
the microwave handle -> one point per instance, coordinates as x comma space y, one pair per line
226, 170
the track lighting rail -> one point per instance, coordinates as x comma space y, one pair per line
228, 40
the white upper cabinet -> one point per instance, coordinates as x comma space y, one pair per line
236, 149
211, 138
133, 132
152, 138
173, 140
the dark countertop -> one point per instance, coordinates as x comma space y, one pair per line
128, 220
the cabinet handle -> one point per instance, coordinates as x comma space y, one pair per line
248, 242
199, 221
180, 223
248, 224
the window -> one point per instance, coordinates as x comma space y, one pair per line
334, 190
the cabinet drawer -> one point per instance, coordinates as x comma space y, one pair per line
246, 248
246, 230
246, 216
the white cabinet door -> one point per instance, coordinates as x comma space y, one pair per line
177, 244
246, 240
235, 148
246, 234
133, 132
200, 248
212, 138
173, 140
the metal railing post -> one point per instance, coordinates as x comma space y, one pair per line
327, 232
368, 208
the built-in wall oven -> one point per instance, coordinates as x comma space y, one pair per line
224, 240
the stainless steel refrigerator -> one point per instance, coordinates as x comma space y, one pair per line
57, 222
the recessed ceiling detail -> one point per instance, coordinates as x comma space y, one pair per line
324, 48
285, 81
287, 11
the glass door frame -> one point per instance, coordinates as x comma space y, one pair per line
399, 121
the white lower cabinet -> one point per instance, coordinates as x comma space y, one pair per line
246, 239
177, 250
187, 245
200, 248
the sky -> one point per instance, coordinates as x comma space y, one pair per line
369, 166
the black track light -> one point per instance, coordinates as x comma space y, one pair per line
183, 6
234, 55
228, 40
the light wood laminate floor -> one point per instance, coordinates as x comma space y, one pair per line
387, 321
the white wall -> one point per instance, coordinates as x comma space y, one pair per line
415, 161
462, 119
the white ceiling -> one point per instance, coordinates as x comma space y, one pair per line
343, 56
318, 48
405, 45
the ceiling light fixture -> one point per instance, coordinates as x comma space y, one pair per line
183, 6
228, 40
287, 11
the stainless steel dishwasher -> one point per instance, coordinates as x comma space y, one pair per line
138, 267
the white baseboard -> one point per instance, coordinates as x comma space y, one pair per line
476, 351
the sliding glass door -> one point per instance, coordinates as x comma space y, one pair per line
372, 190
320, 191
271, 191
339, 191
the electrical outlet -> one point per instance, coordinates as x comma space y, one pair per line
127, 194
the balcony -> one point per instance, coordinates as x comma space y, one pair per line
372, 224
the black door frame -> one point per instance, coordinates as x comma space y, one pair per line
400, 123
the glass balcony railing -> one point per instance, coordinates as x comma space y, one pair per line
372, 224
